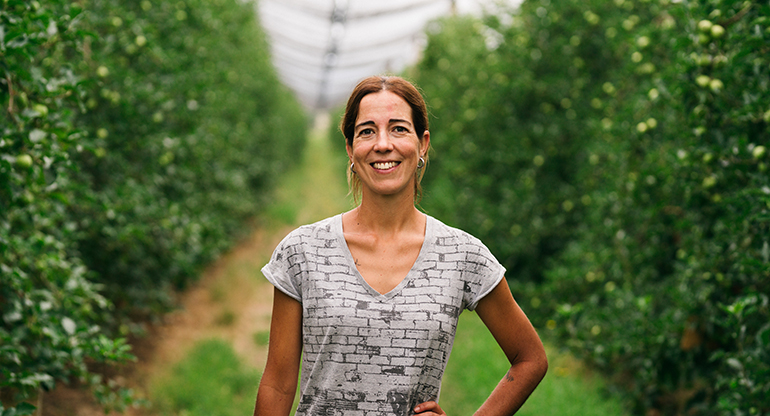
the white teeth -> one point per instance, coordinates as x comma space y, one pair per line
384, 165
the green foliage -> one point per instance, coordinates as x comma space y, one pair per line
616, 154
215, 126
211, 380
24, 409
506, 146
137, 137
49, 306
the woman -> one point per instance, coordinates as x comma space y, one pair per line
368, 300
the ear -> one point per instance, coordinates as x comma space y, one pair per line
349, 149
425, 143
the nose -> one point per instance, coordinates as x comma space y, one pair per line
382, 142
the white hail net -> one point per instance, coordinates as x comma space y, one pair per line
322, 48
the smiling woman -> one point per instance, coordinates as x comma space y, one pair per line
385, 147
413, 119
369, 300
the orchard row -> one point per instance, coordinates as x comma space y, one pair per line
137, 139
613, 154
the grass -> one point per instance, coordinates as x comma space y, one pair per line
225, 318
210, 380
477, 364
262, 338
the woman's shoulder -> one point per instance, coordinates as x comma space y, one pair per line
448, 239
323, 229
325, 225
442, 231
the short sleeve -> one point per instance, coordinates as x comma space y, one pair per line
481, 274
286, 267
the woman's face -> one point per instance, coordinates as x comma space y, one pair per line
386, 149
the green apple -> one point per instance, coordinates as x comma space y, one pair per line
703, 80
705, 25
40, 108
716, 85
24, 161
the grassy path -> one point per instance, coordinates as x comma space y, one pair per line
211, 380
314, 190
200, 358
205, 358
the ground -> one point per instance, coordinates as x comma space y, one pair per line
229, 302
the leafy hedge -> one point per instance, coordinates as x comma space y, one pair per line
614, 155
137, 139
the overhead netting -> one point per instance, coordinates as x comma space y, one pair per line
322, 48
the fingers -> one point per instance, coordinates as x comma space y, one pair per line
429, 409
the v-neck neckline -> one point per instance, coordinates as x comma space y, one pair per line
407, 278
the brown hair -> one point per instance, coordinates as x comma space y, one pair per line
403, 89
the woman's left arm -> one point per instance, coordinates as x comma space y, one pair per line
519, 341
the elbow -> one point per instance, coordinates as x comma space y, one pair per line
543, 366
537, 363
542, 362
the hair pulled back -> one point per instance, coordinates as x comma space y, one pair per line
409, 93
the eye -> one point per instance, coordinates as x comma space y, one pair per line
400, 129
366, 132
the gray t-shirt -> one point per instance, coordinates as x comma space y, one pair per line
365, 353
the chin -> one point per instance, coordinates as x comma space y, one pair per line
391, 193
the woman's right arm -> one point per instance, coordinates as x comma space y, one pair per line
279, 380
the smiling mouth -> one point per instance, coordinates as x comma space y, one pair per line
384, 165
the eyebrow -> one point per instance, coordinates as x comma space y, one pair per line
391, 121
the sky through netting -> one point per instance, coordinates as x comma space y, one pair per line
321, 49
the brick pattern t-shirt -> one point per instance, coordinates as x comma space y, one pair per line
366, 353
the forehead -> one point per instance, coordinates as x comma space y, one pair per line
383, 105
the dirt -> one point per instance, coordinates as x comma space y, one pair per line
231, 301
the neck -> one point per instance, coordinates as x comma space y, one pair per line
386, 213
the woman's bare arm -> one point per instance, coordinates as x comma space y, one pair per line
279, 381
520, 343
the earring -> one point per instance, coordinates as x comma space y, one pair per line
421, 163
351, 167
